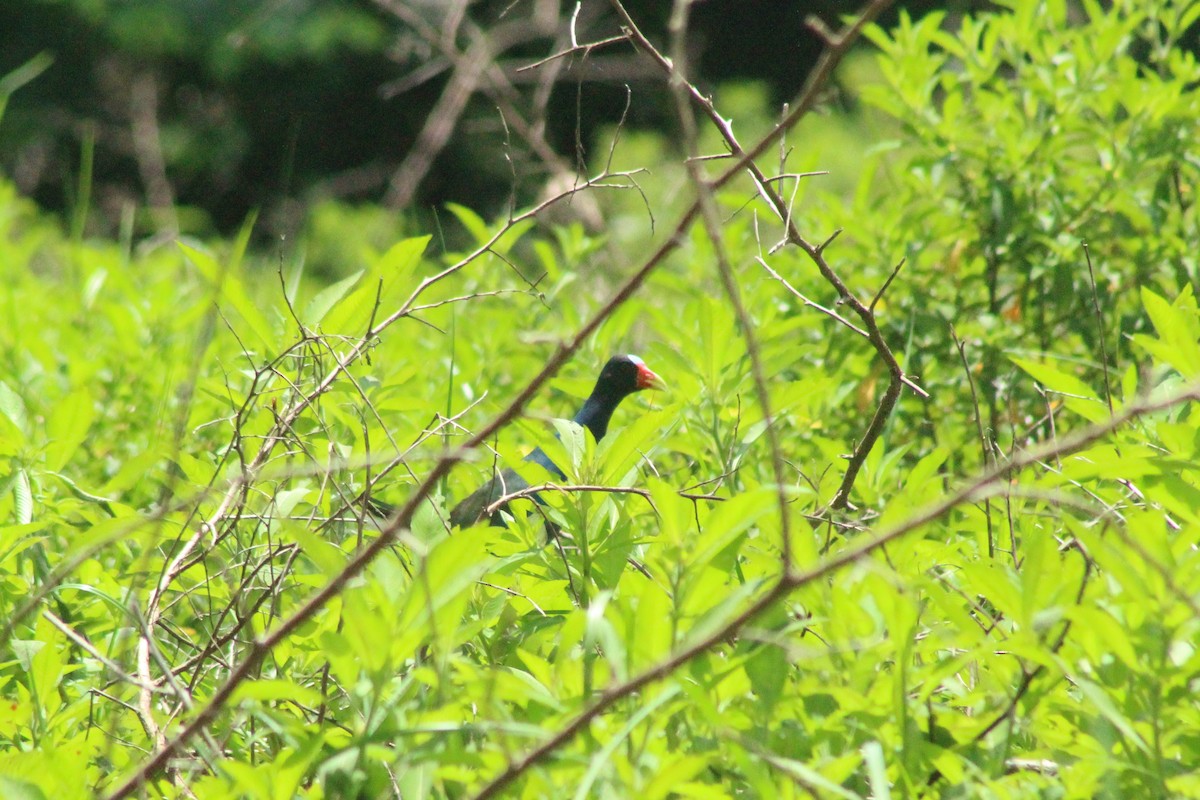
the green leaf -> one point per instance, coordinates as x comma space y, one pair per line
325, 300
807, 776
68, 427
14, 789
436, 603
287, 500
271, 690
994, 582
387, 282
46, 671
13, 409
876, 771
672, 777
574, 438
603, 758
1178, 330
474, 223
926, 468
767, 669
729, 523
1078, 396
1099, 698
227, 284
326, 555
23, 498
601, 633
622, 449
241, 242
1127, 461
650, 616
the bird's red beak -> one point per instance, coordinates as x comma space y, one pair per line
646, 379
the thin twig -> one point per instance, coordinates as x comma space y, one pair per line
83, 642
983, 442
886, 284
532, 491
1099, 327
570, 51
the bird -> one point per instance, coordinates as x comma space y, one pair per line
621, 376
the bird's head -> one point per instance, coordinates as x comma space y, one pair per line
626, 374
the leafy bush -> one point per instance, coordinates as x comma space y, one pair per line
1004, 604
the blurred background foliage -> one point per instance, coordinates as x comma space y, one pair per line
214, 108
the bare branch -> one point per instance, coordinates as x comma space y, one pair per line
585, 49
829, 312
886, 284
532, 491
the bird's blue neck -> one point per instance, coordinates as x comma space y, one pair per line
596, 413
594, 416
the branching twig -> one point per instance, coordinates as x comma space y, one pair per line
983, 440
473, 70
584, 49
882, 289
531, 491
1028, 676
817, 78
82, 641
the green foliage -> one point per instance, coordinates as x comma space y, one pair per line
185, 440
1027, 134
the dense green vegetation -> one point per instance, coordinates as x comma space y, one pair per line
1005, 603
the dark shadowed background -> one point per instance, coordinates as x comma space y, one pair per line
193, 113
